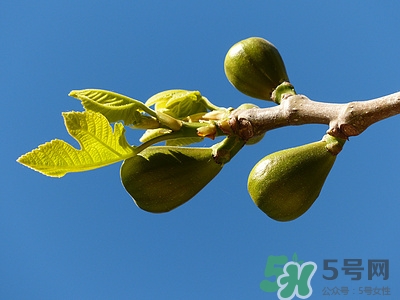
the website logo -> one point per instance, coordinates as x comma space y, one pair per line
292, 278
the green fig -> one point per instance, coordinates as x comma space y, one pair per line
255, 67
161, 178
286, 183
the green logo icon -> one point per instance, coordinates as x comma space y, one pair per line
292, 278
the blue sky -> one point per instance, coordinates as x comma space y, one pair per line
82, 237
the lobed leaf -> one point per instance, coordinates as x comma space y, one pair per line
100, 146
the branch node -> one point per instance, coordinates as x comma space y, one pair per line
245, 130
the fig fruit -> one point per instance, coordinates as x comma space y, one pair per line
286, 183
255, 67
161, 178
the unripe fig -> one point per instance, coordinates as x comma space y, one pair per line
161, 178
286, 183
255, 67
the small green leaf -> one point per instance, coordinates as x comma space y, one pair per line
100, 146
179, 103
183, 141
115, 107
153, 133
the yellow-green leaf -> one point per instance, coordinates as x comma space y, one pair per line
100, 146
178, 103
115, 107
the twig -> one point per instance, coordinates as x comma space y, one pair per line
344, 120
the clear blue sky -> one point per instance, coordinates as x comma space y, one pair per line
82, 237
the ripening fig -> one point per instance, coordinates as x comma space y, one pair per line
161, 178
255, 67
286, 183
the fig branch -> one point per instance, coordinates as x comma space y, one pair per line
283, 184
344, 120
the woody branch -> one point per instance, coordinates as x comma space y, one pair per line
344, 120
